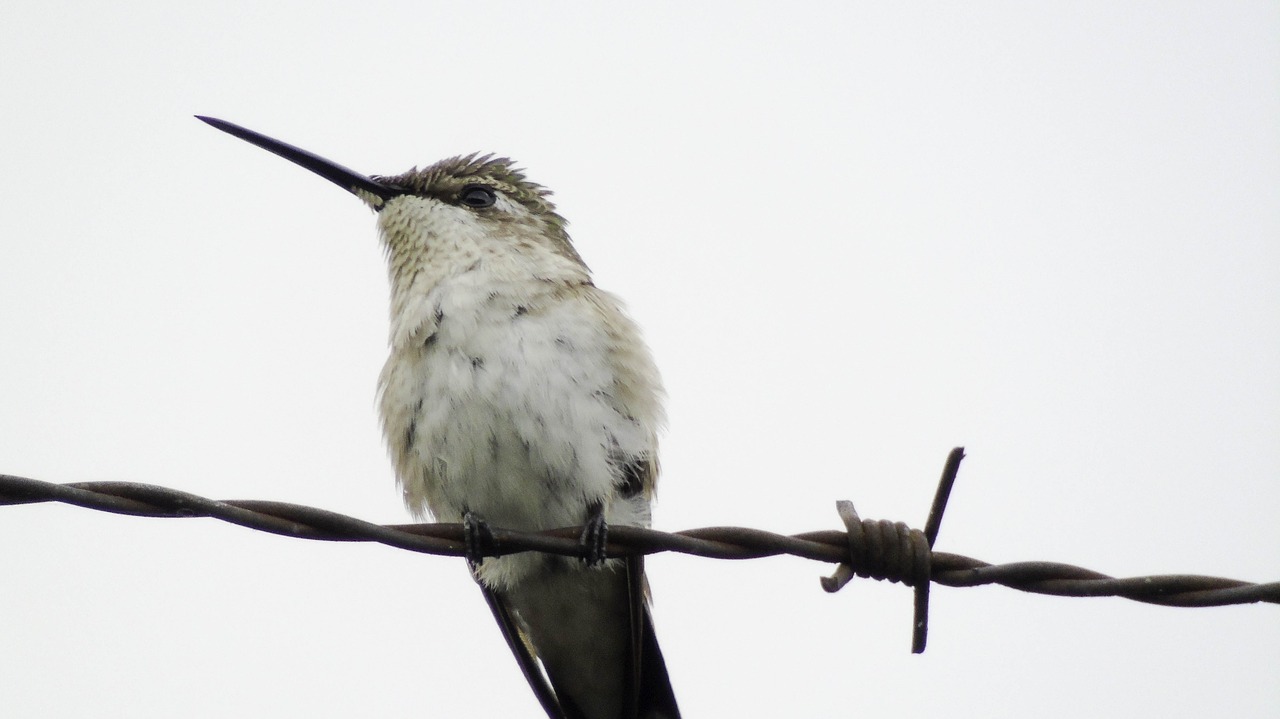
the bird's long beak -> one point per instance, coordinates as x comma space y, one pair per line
347, 179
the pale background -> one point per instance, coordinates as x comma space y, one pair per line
855, 234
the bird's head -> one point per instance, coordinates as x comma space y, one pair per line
468, 207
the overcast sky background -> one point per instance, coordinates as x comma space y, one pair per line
856, 236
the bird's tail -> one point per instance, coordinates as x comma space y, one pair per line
584, 639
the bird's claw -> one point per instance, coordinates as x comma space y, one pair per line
594, 537
478, 538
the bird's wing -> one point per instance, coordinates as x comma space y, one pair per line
654, 697
523, 653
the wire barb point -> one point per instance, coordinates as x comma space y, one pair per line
892, 551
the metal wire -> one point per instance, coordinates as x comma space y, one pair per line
867, 548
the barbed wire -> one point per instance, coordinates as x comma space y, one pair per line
876, 549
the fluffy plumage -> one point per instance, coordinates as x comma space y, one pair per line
519, 391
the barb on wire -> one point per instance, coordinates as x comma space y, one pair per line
866, 548
893, 551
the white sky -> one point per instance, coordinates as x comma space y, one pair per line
855, 235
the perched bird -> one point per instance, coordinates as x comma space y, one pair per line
518, 393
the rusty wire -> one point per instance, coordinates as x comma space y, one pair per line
867, 548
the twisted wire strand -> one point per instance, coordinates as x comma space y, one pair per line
832, 546
876, 549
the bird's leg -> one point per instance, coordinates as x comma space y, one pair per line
595, 535
478, 538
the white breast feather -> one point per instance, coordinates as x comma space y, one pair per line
512, 389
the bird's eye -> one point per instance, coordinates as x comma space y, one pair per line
477, 196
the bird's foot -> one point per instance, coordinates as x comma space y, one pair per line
594, 537
478, 538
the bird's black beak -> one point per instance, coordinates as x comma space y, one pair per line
347, 179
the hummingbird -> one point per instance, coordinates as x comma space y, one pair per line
518, 393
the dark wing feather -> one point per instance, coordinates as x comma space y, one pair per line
654, 697
528, 664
